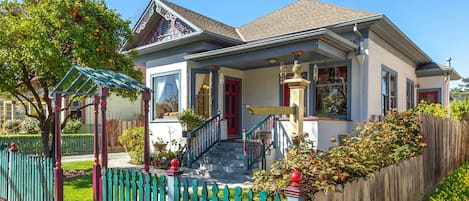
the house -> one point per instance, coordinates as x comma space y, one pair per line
359, 63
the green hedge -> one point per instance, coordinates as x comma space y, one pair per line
455, 187
72, 144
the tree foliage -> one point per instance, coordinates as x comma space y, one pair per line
41, 39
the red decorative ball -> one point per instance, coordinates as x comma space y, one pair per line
174, 163
13, 145
58, 164
296, 177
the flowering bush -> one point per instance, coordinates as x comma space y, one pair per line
133, 141
373, 145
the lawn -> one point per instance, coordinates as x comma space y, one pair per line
455, 187
79, 189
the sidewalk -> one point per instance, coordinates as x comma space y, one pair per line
114, 159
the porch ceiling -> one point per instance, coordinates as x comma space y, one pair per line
317, 45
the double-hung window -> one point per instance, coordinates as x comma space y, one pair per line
388, 90
410, 97
166, 95
332, 92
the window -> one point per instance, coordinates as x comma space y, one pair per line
388, 90
166, 95
410, 97
332, 92
202, 94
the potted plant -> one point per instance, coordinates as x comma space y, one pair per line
189, 120
159, 145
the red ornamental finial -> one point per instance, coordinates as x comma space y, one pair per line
295, 179
174, 164
13, 147
58, 164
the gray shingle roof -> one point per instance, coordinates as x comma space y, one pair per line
203, 22
299, 16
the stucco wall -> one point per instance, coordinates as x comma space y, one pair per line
168, 129
381, 53
328, 129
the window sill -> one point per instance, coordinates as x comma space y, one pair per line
164, 121
315, 118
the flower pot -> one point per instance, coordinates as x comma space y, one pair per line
159, 147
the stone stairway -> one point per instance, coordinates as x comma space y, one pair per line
223, 164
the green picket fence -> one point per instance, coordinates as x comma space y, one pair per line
72, 144
126, 185
25, 178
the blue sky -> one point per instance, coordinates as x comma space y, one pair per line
440, 28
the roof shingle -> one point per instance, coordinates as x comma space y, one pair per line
299, 16
203, 22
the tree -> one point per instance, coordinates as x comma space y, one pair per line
461, 93
41, 39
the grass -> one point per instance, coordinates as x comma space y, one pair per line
79, 189
455, 187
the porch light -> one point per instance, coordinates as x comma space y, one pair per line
315, 73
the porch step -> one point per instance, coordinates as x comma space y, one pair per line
222, 164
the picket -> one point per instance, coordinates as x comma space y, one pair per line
25, 178
132, 185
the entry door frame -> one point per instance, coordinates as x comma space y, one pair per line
432, 90
240, 99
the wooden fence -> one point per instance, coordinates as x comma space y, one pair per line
25, 178
132, 186
415, 177
114, 129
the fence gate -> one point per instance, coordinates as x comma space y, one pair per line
25, 178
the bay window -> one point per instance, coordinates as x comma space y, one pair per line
166, 95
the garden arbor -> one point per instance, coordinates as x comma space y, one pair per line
95, 84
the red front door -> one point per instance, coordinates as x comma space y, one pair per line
429, 96
232, 106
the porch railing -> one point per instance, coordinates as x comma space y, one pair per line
257, 140
202, 138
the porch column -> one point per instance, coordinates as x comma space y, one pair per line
146, 96
297, 87
213, 70
58, 171
96, 166
103, 93
13, 112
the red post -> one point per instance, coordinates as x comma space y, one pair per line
146, 96
295, 192
103, 93
96, 166
13, 147
58, 171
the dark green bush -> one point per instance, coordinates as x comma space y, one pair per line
12, 126
373, 146
72, 126
29, 125
133, 141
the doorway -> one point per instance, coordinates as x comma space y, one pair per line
232, 110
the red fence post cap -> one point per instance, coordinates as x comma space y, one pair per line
295, 179
13, 147
174, 170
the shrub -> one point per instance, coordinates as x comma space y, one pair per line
133, 141
373, 146
12, 125
431, 108
190, 120
455, 186
72, 126
460, 110
29, 125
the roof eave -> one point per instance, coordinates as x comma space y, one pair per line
454, 75
400, 41
274, 41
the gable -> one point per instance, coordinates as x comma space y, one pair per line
158, 24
